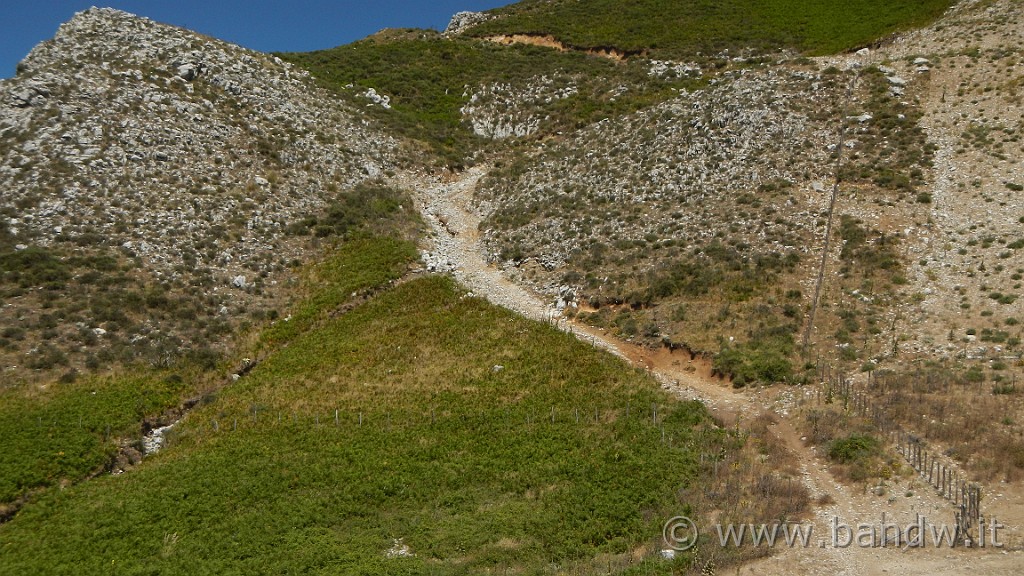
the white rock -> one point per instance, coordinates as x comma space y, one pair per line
187, 72
463, 20
383, 100
154, 441
399, 550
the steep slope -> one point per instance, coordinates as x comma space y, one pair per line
969, 252
699, 220
663, 204
149, 176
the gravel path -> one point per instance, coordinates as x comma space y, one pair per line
454, 247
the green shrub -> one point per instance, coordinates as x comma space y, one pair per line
33, 266
46, 357
974, 374
879, 254
369, 206
70, 431
765, 358
1004, 389
853, 448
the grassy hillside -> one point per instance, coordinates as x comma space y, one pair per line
69, 431
553, 460
685, 28
72, 428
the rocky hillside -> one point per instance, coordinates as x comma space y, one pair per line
149, 176
700, 220
967, 260
673, 195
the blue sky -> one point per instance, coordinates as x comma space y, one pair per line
295, 25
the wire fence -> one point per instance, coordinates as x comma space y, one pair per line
930, 465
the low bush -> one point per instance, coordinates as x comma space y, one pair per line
852, 448
763, 359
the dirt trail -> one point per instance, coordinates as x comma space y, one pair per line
454, 246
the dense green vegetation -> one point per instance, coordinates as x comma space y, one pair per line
764, 358
685, 29
370, 207
70, 430
357, 266
33, 267
860, 457
537, 465
430, 78
853, 447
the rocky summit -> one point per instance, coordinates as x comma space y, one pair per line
179, 157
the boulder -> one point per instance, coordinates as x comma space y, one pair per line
188, 71
383, 100
462, 20
29, 96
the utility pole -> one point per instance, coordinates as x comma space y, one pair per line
831, 211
